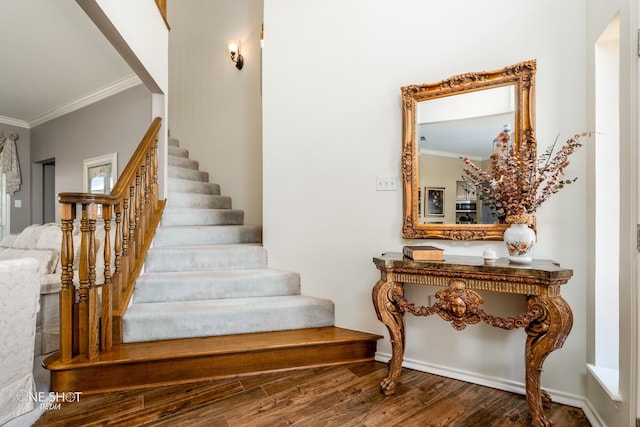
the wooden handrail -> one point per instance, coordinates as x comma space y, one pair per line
90, 312
162, 7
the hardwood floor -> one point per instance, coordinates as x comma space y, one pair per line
344, 395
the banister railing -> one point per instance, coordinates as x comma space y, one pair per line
91, 312
162, 8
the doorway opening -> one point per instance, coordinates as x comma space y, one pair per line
48, 191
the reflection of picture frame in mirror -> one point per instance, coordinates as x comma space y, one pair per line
434, 201
419, 200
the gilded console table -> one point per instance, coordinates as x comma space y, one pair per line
547, 319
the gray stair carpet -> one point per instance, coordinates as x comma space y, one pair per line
207, 274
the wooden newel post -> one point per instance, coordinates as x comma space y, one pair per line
67, 290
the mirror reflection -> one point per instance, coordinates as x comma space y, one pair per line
448, 129
445, 121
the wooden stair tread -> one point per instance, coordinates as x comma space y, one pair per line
194, 347
138, 365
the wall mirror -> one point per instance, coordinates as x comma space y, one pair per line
442, 123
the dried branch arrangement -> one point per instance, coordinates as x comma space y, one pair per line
515, 183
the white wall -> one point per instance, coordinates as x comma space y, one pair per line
138, 32
599, 15
115, 124
215, 109
332, 72
142, 28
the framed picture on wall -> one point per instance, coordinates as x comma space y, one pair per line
100, 173
434, 201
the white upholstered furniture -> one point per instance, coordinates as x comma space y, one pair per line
19, 302
42, 242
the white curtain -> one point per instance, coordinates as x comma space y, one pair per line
9, 164
4, 208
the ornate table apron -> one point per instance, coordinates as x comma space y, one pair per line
547, 320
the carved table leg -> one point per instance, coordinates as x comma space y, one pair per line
544, 335
384, 296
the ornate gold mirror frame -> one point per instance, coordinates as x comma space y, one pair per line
522, 77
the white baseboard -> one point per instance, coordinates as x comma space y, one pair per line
497, 383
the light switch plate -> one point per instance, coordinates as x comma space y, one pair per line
387, 183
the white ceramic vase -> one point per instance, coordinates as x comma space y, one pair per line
519, 239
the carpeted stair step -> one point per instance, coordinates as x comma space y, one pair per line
208, 285
207, 235
198, 201
205, 258
189, 186
172, 320
182, 162
207, 273
178, 152
187, 216
187, 173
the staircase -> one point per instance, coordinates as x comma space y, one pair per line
208, 305
207, 273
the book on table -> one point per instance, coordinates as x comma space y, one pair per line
423, 253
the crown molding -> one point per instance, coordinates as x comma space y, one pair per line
88, 99
13, 122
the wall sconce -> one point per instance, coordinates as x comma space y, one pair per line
234, 50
